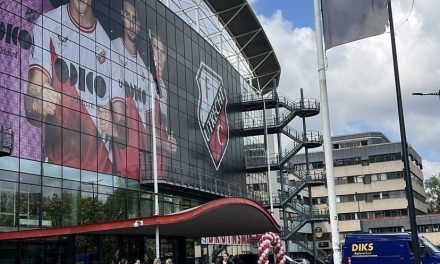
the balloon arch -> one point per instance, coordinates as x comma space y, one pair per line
267, 240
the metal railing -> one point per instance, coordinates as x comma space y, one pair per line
307, 104
291, 109
296, 223
250, 97
295, 187
292, 133
189, 177
298, 207
259, 159
294, 146
302, 242
256, 157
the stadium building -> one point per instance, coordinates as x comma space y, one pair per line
102, 103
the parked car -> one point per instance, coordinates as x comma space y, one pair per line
297, 260
301, 261
329, 259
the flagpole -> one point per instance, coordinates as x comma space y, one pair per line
331, 188
266, 149
407, 174
153, 93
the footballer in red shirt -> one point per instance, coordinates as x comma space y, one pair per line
70, 87
135, 85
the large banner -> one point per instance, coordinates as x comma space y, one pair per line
82, 80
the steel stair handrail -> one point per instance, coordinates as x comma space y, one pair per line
290, 110
301, 241
298, 207
296, 224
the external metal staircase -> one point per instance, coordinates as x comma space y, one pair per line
302, 242
257, 160
295, 187
294, 225
252, 101
304, 179
287, 200
254, 125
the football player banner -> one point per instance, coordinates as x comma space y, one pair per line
83, 97
76, 91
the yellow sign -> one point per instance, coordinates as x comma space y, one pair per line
318, 232
362, 248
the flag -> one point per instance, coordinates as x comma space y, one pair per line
153, 64
350, 20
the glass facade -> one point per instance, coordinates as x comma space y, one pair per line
81, 84
93, 249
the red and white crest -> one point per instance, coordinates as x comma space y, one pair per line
213, 119
100, 55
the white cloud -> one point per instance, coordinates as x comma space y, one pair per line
360, 77
430, 168
252, 2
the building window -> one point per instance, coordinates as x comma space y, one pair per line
347, 162
367, 179
423, 228
384, 157
347, 216
392, 229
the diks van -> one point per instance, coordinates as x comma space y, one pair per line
393, 248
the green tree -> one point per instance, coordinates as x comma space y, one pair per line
432, 188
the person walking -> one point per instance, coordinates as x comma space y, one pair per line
226, 259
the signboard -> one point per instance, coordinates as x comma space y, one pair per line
362, 248
318, 232
226, 240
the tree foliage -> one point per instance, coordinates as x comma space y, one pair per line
432, 188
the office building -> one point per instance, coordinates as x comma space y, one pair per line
369, 180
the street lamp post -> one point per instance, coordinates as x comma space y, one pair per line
437, 93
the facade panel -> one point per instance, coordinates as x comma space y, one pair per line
78, 84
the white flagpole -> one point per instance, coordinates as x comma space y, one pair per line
266, 148
331, 188
154, 163
154, 150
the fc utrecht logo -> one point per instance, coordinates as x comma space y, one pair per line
62, 40
213, 119
100, 55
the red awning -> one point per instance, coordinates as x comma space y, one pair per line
221, 217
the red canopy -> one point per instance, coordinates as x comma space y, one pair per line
225, 216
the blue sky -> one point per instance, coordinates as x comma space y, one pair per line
300, 12
360, 79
